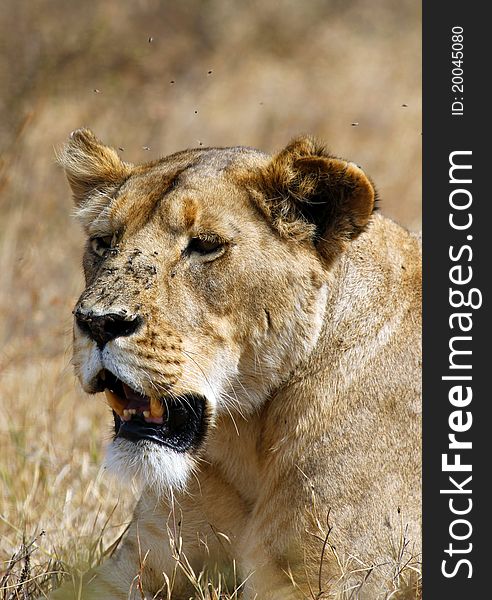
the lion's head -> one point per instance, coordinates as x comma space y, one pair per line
207, 278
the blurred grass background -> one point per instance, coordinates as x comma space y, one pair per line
152, 77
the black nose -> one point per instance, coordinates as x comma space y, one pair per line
107, 327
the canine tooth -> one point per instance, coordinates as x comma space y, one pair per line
156, 408
126, 415
146, 414
116, 404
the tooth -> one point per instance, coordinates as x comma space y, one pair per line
114, 401
132, 411
146, 414
126, 415
156, 408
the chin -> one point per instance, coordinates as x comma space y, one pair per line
149, 466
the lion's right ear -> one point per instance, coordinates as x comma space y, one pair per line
90, 165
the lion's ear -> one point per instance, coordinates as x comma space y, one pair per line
90, 165
307, 193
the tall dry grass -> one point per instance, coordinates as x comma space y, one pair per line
152, 77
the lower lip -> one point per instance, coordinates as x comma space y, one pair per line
183, 430
138, 429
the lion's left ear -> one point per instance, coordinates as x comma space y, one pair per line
307, 193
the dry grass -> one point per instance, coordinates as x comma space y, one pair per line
253, 73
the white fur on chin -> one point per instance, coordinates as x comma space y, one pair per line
148, 465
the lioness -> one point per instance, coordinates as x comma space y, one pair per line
256, 330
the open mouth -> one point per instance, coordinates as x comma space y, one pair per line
178, 423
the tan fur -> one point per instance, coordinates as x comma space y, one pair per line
305, 338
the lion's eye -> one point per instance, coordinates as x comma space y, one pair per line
207, 247
100, 245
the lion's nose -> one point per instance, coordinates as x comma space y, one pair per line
106, 327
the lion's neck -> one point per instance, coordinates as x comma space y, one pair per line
356, 325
